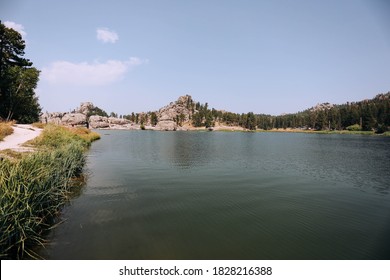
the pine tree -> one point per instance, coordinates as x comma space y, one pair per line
18, 79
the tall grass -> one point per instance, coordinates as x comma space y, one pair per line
54, 136
5, 129
34, 189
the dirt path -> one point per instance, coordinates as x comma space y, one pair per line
22, 133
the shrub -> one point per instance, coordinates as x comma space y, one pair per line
354, 127
381, 129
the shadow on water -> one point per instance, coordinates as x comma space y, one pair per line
383, 242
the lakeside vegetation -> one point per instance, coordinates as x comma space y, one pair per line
35, 186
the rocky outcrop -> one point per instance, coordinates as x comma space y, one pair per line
167, 125
85, 108
104, 122
68, 119
169, 118
79, 117
55, 118
172, 116
322, 107
74, 119
98, 122
118, 121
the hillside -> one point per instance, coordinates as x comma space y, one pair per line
366, 115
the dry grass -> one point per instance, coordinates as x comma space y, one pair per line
5, 129
39, 125
10, 155
85, 133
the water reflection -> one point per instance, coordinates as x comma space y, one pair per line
191, 149
186, 150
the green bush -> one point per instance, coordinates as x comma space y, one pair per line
354, 127
381, 129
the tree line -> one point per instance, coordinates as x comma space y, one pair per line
367, 115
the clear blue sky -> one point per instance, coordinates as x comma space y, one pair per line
263, 56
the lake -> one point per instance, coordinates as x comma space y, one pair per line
221, 195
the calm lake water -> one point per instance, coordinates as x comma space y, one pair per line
220, 195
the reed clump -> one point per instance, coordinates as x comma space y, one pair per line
34, 188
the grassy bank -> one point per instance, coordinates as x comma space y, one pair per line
35, 186
5, 129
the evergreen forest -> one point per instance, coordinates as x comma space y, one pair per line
366, 115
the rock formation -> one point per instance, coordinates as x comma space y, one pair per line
74, 119
80, 117
169, 118
71, 119
322, 107
85, 108
52, 117
98, 122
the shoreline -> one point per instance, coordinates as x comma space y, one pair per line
241, 129
339, 132
26, 132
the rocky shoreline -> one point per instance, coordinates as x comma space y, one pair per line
174, 117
